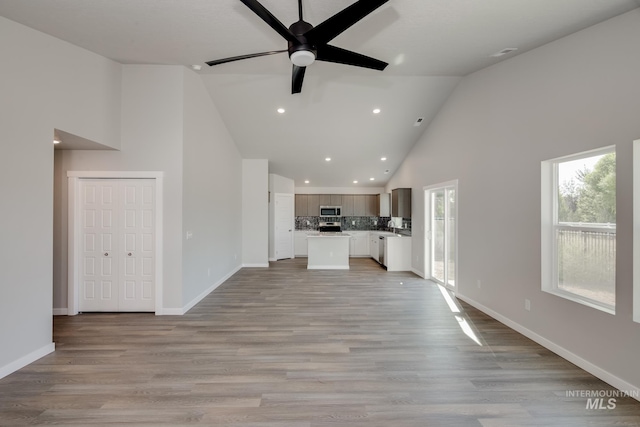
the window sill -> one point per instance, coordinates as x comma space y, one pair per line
582, 300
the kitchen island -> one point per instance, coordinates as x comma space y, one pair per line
328, 251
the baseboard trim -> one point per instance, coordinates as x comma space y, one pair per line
255, 265
26, 360
594, 370
207, 291
170, 312
60, 311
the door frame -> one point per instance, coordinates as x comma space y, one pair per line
428, 233
74, 226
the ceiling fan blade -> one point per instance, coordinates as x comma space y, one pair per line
329, 29
330, 53
238, 58
297, 77
268, 17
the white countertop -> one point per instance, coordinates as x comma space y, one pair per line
328, 234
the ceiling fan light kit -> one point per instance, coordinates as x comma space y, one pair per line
307, 43
302, 58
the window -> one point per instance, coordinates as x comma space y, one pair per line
579, 228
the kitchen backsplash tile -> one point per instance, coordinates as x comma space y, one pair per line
363, 223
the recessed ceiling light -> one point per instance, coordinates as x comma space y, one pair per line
196, 67
306, 181
372, 179
376, 111
384, 159
281, 110
355, 182
56, 141
328, 159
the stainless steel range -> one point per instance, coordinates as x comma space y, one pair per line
332, 227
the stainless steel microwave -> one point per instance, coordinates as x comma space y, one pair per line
331, 211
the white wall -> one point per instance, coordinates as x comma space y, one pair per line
152, 126
212, 195
572, 95
255, 213
35, 99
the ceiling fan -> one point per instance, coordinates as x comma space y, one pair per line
308, 43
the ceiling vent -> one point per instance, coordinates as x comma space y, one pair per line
418, 121
504, 51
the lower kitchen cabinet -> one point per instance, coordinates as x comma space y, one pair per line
300, 243
359, 244
374, 248
397, 253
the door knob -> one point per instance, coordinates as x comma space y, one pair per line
129, 254
106, 254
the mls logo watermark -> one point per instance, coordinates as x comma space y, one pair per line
602, 399
601, 403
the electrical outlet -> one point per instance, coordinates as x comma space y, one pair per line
189, 235
353, 223
479, 284
527, 305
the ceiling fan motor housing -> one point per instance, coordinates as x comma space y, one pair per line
299, 29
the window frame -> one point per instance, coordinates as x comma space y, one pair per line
550, 225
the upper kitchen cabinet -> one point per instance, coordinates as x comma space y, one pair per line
384, 204
401, 202
307, 205
347, 205
301, 204
325, 200
371, 205
336, 200
359, 205
313, 204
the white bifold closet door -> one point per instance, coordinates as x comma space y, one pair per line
118, 234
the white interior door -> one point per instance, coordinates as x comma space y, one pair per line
284, 225
99, 239
137, 264
118, 257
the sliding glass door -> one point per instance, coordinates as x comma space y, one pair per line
440, 239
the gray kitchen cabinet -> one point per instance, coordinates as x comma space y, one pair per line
359, 205
313, 205
324, 200
371, 205
401, 202
347, 205
301, 202
336, 200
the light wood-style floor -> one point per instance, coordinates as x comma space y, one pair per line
287, 347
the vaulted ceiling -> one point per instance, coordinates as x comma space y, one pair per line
429, 45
